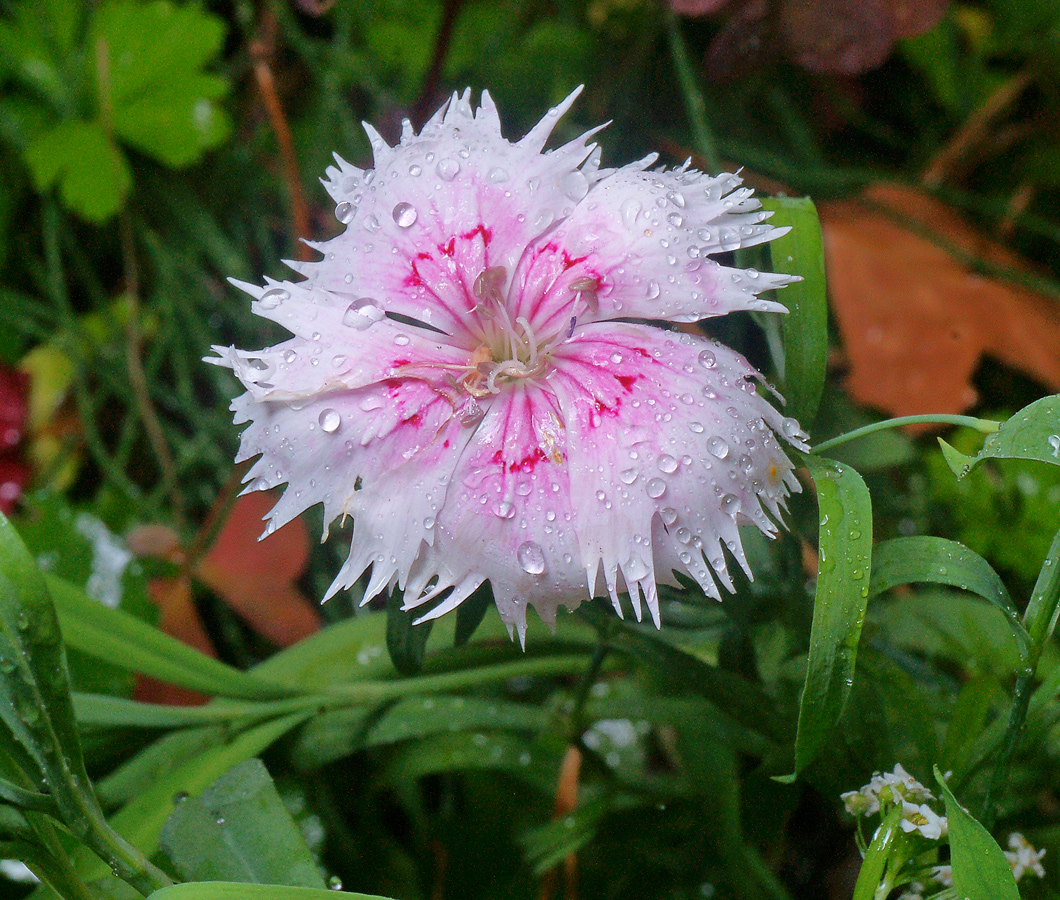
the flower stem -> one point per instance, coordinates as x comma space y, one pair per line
1017, 716
695, 104
986, 426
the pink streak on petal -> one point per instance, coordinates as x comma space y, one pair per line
643, 236
508, 509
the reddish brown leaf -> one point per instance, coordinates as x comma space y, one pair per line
179, 618
257, 578
915, 321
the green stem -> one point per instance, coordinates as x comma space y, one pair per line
26, 799
1013, 730
695, 104
986, 426
450, 681
575, 719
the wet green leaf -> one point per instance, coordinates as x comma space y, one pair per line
843, 570
224, 891
805, 327
122, 640
406, 642
907, 560
239, 830
1032, 433
980, 869
141, 820
35, 700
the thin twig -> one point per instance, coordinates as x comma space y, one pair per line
946, 162
441, 51
259, 53
134, 362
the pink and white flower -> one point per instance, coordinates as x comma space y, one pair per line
481, 376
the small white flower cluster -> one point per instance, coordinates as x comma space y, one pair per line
1023, 857
898, 787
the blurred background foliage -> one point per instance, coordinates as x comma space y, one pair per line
150, 150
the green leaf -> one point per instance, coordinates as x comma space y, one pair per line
1033, 433
113, 712
462, 752
125, 641
222, 891
1044, 605
141, 821
94, 178
805, 327
739, 697
239, 830
971, 711
843, 568
980, 869
161, 101
406, 642
34, 686
471, 612
906, 560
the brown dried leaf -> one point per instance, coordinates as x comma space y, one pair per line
257, 578
914, 319
179, 618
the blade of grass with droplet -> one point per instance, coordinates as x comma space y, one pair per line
843, 568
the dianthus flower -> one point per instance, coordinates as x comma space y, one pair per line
482, 377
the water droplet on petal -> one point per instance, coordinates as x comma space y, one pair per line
628, 476
629, 211
447, 169
504, 510
616, 357
667, 464
414, 171
574, 185
273, 297
730, 505
696, 427
653, 290
683, 535
329, 420
361, 314
405, 215
371, 224
289, 356
791, 428
344, 212
402, 340
717, 447
656, 488
497, 175
668, 514
707, 359
531, 558
675, 220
